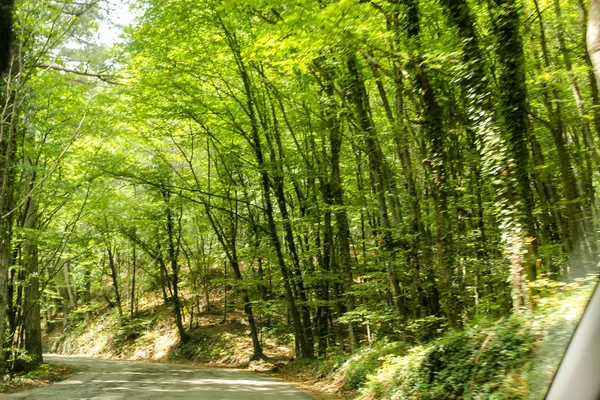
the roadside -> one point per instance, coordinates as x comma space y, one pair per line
44, 375
509, 357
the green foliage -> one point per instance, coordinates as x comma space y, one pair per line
131, 328
40, 373
44, 374
512, 358
471, 364
423, 329
367, 361
357, 161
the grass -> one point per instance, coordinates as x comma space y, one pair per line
44, 375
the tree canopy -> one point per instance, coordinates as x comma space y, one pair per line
347, 169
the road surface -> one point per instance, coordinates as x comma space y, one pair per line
108, 380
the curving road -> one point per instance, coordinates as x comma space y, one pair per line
108, 380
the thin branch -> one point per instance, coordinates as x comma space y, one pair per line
103, 77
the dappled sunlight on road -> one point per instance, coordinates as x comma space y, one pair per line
102, 379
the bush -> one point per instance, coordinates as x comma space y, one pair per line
131, 329
473, 364
357, 373
513, 358
40, 373
365, 363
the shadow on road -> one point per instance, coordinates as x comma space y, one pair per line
101, 379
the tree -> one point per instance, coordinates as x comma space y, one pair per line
593, 36
6, 10
365, 168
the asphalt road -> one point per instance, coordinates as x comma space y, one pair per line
104, 380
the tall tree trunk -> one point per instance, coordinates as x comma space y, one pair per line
416, 248
509, 26
132, 296
229, 244
278, 184
360, 100
8, 144
298, 278
184, 337
327, 258
514, 116
31, 306
114, 274
336, 193
483, 129
587, 223
593, 36
303, 350
437, 162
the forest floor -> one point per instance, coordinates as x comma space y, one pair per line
152, 335
44, 375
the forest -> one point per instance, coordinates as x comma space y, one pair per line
344, 172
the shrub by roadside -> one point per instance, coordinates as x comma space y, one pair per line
510, 358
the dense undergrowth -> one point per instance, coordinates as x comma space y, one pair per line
509, 358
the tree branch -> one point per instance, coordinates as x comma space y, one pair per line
103, 77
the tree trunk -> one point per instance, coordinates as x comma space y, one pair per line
437, 162
115, 278
184, 337
31, 306
337, 200
509, 26
587, 221
593, 36
6, 11
515, 122
229, 244
303, 350
8, 144
360, 100
70, 294
256, 346
132, 297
